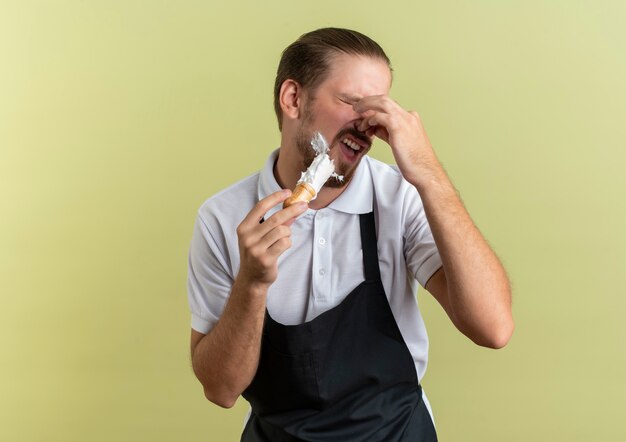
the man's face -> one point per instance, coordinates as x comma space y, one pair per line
330, 112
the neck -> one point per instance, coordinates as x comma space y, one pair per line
326, 196
286, 169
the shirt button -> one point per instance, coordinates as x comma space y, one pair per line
322, 272
322, 241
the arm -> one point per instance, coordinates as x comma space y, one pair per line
225, 360
472, 285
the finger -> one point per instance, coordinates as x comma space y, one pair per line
261, 208
378, 119
364, 124
382, 133
255, 233
289, 222
279, 247
285, 215
371, 127
371, 131
385, 120
379, 103
273, 236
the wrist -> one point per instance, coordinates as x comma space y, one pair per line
423, 170
438, 193
250, 286
434, 178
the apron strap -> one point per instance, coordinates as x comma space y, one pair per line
369, 246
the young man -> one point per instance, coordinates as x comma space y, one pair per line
309, 312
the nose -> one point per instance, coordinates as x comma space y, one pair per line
358, 118
357, 123
359, 115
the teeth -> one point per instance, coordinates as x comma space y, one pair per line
351, 144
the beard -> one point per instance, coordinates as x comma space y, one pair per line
303, 143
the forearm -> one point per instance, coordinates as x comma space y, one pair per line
226, 359
479, 295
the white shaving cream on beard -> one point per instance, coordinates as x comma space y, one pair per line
322, 166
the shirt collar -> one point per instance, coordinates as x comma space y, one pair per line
356, 199
268, 183
358, 196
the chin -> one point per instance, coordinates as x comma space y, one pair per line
334, 183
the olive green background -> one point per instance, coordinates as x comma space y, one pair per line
119, 118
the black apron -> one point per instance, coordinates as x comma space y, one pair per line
347, 375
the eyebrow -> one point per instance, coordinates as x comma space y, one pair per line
349, 99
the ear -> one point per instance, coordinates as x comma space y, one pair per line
290, 99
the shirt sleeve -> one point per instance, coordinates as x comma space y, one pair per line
209, 280
420, 250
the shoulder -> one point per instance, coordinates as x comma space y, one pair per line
387, 170
390, 187
229, 206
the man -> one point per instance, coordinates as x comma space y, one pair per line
309, 312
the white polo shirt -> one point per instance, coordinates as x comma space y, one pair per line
325, 261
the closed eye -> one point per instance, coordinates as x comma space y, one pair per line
348, 100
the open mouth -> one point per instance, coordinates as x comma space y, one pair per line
351, 149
